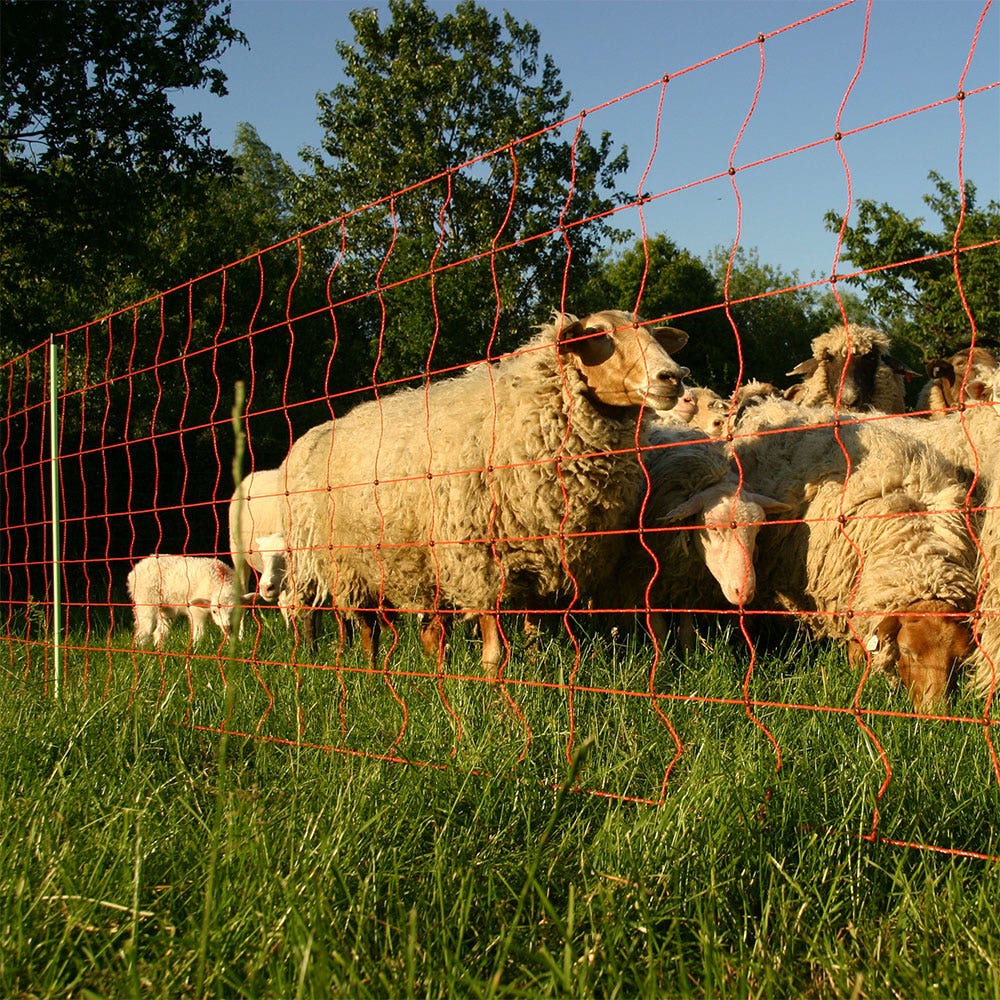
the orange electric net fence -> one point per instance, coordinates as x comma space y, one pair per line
474, 545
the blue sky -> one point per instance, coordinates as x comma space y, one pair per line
915, 55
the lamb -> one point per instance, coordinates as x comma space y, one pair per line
165, 587
949, 375
497, 487
872, 378
882, 557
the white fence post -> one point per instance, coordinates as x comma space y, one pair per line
54, 482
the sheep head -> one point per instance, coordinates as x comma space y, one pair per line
623, 363
923, 646
970, 365
728, 521
273, 551
851, 365
219, 606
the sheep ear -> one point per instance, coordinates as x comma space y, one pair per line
940, 368
669, 338
690, 507
249, 597
806, 367
573, 337
898, 367
770, 505
977, 389
201, 602
567, 327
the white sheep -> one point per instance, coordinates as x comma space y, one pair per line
166, 587
881, 557
858, 357
258, 513
496, 488
962, 437
255, 512
985, 659
697, 534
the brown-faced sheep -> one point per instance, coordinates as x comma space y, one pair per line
166, 587
852, 368
949, 375
882, 533
698, 407
496, 488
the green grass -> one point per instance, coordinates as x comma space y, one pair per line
146, 853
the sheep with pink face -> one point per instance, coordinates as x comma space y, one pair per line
697, 533
166, 587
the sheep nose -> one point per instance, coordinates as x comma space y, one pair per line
674, 376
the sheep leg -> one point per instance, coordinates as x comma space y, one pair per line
370, 629
307, 628
159, 634
490, 631
687, 634
433, 636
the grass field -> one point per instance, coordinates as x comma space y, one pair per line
147, 852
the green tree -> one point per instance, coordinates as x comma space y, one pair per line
775, 330
466, 252
919, 303
92, 146
659, 279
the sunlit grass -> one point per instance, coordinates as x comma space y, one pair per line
335, 869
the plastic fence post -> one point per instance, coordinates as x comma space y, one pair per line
54, 485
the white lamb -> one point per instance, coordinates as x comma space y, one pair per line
697, 407
166, 587
502, 487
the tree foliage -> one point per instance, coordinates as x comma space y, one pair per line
428, 95
920, 303
92, 148
773, 331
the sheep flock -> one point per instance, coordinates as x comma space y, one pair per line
586, 473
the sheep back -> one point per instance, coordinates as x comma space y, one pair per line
492, 485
